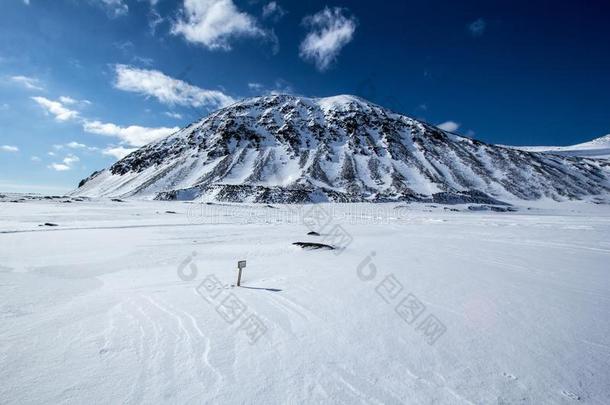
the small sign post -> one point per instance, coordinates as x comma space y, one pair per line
240, 265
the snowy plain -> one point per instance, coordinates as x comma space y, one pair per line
118, 303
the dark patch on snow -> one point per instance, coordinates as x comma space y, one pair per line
491, 208
313, 245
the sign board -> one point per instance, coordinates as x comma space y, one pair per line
240, 265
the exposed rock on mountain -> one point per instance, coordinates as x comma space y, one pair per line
293, 149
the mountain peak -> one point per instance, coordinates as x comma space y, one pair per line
338, 102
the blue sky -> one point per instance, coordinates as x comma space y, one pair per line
83, 82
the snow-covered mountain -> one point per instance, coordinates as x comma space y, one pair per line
598, 148
284, 148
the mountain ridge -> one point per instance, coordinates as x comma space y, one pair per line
284, 148
598, 148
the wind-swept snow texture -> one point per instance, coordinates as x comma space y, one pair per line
108, 307
293, 149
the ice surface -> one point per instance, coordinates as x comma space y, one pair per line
94, 310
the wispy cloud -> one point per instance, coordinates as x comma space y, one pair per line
154, 19
256, 87
173, 115
59, 167
133, 135
71, 159
56, 108
114, 8
67, 100
279, 86
273, 11
330, 31
75, 145
449, 126
71, 101
9, 148
214, 23
30, 83
477, 28
166, 89
67, 163
128, 49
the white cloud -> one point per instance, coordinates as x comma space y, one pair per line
166, 89
118, 152
330, 31
449, 126
477, 28
154, 19
67, 100
143, 60
76, 145
173, 115
114, 8
9, 148
56, 108
256, 87
134, 135
67, 163
273, 10
280, 86
71, 101
214, 23
71, 159
30, 83
60, 167
35, 159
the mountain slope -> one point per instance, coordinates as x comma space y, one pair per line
598, 148
292, 149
